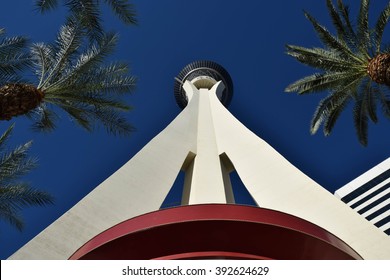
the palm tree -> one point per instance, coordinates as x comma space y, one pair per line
89, 12
15, 195
353, 65
76, 81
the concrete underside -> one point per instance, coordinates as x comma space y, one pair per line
209, 231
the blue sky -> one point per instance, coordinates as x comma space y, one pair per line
248, 40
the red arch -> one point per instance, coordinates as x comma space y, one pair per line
215, 231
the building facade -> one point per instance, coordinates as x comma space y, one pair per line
369, 195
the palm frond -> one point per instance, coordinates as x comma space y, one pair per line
323, 81
380, 27
84, 100
77, 114
68, 42
12, 45
124, 10
333, 116
328, 109
69, 39
386, 48
369, 93
85, 84
46, 5
337, 21
17, 196
13, 58
11, 68
45, 119
99, 111
113, 122
91, 59
14, 63
90, 116
88, 92
20, 195
118, 85
43, 56
96, 53
88, 14
16, 163
5, 136
384, 102
112, 78
343, 26
11, 216
363, 33
332, 42
320, 58
361, 121
344, 12
94, 94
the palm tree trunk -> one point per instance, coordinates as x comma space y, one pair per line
18, 99
379, 69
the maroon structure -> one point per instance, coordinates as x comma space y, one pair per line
215, 231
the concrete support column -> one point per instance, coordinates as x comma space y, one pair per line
206, 181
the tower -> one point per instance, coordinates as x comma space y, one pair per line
121, 218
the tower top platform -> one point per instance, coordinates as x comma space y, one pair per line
203, 74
